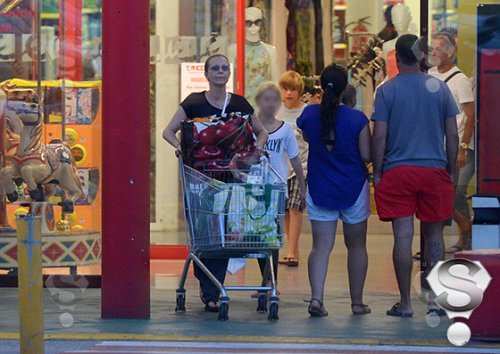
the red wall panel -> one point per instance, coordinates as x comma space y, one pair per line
126, 155
489, 123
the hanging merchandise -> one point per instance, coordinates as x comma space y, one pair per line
359, 35
291, 35
318, 34
304, 20
367, 63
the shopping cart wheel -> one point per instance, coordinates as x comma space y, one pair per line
262, 303
223, 311
273, 311
180, 301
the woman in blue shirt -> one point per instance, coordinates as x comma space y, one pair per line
339, 145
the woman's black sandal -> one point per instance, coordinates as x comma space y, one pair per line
316, 311
364, 309
211, 306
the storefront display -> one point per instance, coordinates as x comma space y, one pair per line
50, 128
39, 166
444, 15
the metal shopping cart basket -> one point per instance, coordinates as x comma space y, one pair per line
239, 218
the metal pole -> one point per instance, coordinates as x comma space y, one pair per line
29, 260
240, 46
424, 33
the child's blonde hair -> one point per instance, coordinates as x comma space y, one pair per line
291, 80
267, 86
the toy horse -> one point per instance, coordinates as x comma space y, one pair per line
26, 159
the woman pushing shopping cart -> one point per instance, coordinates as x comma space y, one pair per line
239, 218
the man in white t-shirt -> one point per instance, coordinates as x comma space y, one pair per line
443, 57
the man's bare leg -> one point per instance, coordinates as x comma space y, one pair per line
402, 258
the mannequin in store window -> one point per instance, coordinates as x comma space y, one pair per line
401, 20
261, 62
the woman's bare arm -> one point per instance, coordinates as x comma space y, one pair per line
260, 131
299, 172
364, 144
170, 132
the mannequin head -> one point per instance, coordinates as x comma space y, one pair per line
254, 21
401, 18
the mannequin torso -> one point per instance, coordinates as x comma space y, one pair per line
261, 62
401, 18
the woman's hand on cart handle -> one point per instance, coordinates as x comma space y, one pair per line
178, 151
262, 152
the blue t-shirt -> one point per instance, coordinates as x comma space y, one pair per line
334, 178
415, 107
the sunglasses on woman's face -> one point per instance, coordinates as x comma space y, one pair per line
257, 23
224, 68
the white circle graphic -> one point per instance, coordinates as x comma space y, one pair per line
432, 85
459, 334
66, 320
432, 319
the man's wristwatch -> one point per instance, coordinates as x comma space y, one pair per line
464, 146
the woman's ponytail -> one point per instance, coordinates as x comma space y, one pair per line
333, 82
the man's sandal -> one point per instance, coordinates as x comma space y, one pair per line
360, 309
395, 311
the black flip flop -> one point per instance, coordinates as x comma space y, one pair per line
214, 308
395, 311
284, 261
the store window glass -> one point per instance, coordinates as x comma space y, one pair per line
472, 27
453, 29
50, 71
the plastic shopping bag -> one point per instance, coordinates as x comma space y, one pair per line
236, 214
236, 264
261, 216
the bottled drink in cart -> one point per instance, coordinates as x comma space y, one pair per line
255, 175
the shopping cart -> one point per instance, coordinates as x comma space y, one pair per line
239, 218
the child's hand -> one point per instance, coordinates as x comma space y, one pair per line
303, 192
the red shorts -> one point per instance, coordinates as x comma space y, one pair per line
408, 190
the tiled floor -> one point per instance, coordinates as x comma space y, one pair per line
82, 316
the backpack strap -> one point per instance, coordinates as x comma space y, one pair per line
452, 76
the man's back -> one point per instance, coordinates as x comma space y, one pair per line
415, 107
